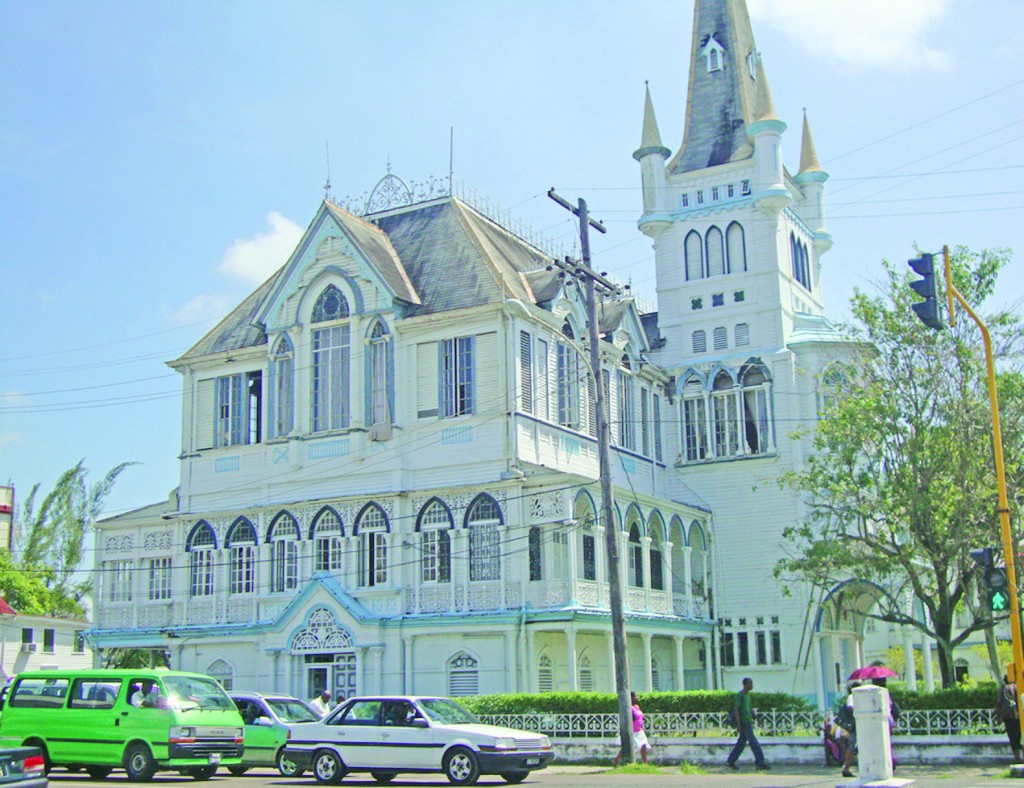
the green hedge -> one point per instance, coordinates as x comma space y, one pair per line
605, 702
980, 696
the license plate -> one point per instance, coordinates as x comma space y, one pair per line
214, 757
533, 761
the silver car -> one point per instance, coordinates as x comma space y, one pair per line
388, 735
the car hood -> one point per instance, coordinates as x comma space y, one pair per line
481, 729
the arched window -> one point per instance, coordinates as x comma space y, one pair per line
201, 546
482, 520
586, 671
583, 512
435, 523
700, 341
326, 535
725, 416
695, 421
241, 543
568, 380
545, 674
657, 530
380, 406
282, 364
737, 248
627, 406
655, 674
223, 673
463, 675
716, 252
284, 553
834, 382
636, 558
372, 529
756, 424
694, 256
330, 396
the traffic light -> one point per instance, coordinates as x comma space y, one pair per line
927, 288
997, 594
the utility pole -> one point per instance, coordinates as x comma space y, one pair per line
611, 537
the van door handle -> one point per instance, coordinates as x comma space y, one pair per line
124, 714
117, 723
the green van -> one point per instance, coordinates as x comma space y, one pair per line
141, 720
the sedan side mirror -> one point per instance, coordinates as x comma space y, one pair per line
418, 722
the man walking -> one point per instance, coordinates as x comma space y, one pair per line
743, 713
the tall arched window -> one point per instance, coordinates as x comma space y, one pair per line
586, 671
330, 397
737, 248
756, 424
482, 521
380, 408
282, 362
435, 523
657, 530
834, 382
201, 546
583, 512
627, 405
326, 535
716, 252
725, 415
636, 558
695, 421
463, 675
223, 673
694, 256
241, 543
568, 380
372, 529
284, 553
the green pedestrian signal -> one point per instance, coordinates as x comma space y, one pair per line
998, 595
998, 601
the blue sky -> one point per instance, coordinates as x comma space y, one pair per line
158, 160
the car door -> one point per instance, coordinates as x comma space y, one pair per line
260, 734
355, 733
406, 741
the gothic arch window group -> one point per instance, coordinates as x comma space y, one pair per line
716, 253
727, 415
801, 261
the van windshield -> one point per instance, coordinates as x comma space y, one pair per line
195, 692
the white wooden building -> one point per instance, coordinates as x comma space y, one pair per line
389, 465
30, 642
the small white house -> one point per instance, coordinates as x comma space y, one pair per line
40, 643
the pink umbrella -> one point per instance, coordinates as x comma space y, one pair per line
872, 672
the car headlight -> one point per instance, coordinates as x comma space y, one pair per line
505, 743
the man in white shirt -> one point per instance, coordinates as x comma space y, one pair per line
321, 703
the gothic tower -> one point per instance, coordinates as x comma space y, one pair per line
738, 242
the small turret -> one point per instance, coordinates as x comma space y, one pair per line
811, 180
770, 192
652, 155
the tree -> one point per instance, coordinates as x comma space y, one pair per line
24, 591
901, 483
54, 536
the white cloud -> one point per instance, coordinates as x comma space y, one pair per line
872, 33
252, 260
201, 308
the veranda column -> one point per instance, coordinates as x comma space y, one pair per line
837, 663
531, 674
510, 661
407, 666
611, 659
666, 574
705, 582
460, 568
573, 546
909, 672
503, 570
709, 677
680, 643
688, 581
600, 568
819, 678
645, 639
623, 542
645, 549
570, 638
858, 647
929, 671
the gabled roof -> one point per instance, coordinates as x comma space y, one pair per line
5, 609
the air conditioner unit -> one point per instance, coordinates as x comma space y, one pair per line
29, 648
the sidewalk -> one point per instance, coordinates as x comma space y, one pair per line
784, 776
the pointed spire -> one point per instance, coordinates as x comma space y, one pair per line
650, 138
728, 88
808, 154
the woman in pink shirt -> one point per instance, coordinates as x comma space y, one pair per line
640, 743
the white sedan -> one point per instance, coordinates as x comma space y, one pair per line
387, 735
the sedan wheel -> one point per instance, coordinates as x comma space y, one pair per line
287, 766
383, 777
513, 778
461, 767
328, 768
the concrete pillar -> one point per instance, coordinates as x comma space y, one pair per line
531, 674
929, 672
611, 662
570, 642
645, 550
407, 665
819, 677
709, 676
874, 756
909, 674
680, 642
645, 639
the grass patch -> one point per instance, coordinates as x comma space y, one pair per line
691, 768
636, 768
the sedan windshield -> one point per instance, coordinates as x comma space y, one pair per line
289, 711
195, 692
445, 712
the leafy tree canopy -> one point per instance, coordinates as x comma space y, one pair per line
901, 485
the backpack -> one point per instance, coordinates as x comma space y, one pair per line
734, 717
844, 718
1006, 703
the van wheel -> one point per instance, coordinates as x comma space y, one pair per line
238, 771
202, 772
287, 766
98, 772
139, 763
461, 767
328, 768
